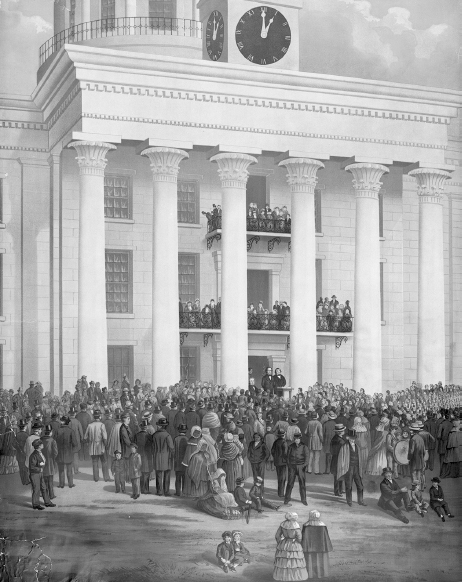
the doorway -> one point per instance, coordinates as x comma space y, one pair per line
258, 288
258, 365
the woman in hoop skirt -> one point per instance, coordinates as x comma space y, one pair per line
289, 562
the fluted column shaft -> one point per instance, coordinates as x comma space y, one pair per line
165, 166
431, 336
232, 169
367, 348
302, 179
92, 324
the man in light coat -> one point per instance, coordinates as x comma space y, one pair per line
96, 437
315, 437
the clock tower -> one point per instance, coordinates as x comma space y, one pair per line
248, 32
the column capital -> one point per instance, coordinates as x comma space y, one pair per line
366, 178
430, 184
302, 173
165, 162
91, 156
233, 168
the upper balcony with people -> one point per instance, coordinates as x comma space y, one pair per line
161, 27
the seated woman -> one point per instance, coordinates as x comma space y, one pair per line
218, 501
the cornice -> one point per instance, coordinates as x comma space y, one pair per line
12, 124
294, 105
23, 149
238, 128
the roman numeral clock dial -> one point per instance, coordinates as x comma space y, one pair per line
215, 35
263, 35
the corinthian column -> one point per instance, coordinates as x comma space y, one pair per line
232, 169
165, 165
302, 179
431, 337
92, 324
367, 348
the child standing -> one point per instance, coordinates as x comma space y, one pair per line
118, 470
417, 501
134, 467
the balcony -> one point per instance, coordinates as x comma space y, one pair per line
111, 28
266, 322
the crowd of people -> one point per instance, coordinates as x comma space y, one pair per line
258, 219
214, 438
331, 315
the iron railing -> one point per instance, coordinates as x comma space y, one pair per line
280, 225
126, 26
265, 321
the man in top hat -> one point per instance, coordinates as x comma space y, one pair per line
416, 454
279, 454
349, 468
96, 437
84, 418
163, 451
144, 442
19, 445
315, 436
126, 439
192, 418
392, 495
297, 461
267, 381
78, 433
170, 416
50, 452
431, 427
258, 454
66, 442
444, 428
279, 382
36, 431
180, 443
328, 432
36, 464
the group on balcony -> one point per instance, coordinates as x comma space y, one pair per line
333, 316
278, 319
193, 316
258, 220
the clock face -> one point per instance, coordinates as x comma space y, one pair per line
263, 35
215, 35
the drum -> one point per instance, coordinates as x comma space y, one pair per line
400, 452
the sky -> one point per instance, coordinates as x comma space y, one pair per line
402, 41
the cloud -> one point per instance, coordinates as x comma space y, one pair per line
363, 7
40, 24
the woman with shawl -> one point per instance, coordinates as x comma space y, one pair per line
211, 421
451, 460
8, 462
218, 501
377, 458
191, 449
212, 449
289, 561
316, 546
361, 441
197, 474
231, 454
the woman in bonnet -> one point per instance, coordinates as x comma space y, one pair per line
316, 546
289, 562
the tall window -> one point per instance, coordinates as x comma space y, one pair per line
189, 363
317, 211
188, 203
107, 9
256, 191
117, 196
382, 311
162, 8
380, 214
119, 282
188, 277
1, 199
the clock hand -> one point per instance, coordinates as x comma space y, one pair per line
264, 32
215, 29
263, 24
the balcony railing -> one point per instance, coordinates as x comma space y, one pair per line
279, 225
108, 27
265, 321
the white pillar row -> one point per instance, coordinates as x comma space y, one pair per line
92, 323
302, 179
165, 165
233, 172
367, 347
431, 337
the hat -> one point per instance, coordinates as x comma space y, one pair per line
259, 479
386, 470
331, 414
239, 481
415, 427
226, 534
339, 427
298, 435
294, 420
228, 437
37, 425
182, 428
83, 406
133, 445
97, 414
65, 419
351, 433
37, 443
144, 423
48, 429
22, 423
196, 432
54, 415
124, 415
162, 421
436, 480
281, 432
164, 401
373, 410
117, 453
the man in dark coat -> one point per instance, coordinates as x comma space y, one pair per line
66, 441
78, 433
278, 382
143, 440
444, 429
126, 439
416, 455
431, 427
279, 454
84, 418
163, 450
267, 382
180, 443
258, 454
192, 418
171, 416
19, 445
349, 468
55, 424
392, 495
328, 433
50, 452
374, 421
297, 461
336, 444
36, 465
437, 502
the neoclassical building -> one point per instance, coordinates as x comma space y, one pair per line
148, 113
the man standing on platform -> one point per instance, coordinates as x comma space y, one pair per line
267, 382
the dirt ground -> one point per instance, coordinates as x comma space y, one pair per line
96, 535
